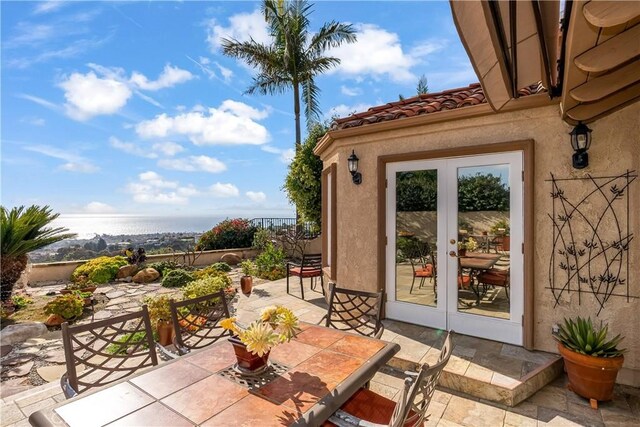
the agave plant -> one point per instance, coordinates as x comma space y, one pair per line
581, 337
23, 231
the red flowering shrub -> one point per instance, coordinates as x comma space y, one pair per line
230, 233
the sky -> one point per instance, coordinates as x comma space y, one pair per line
131, 107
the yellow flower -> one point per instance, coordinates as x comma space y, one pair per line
229, 324
268, 313
259, 338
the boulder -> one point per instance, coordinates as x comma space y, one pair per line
231, 259
20, 332
126, 271
147, 275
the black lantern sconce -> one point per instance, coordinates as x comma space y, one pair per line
580, 141
352, 162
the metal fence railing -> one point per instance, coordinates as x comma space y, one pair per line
281, 225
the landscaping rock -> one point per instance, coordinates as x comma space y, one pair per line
17, 371
20, 332
126, 271
17, 360
231, 259
115, 294
145, 276
104, 314
51, 373
5, 349
55, 356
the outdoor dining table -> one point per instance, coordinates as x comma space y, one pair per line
477, 262
308, 380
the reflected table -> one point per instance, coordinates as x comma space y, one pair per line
310, 378
477, 262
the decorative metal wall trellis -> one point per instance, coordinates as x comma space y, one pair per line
591, 237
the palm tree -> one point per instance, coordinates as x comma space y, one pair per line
294, 58
22, 231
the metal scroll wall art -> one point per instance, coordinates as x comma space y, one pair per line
591, 237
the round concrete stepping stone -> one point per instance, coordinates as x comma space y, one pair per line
54, 372
17, 360
17, 371
5, 349
115, 294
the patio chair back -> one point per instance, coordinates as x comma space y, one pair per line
309, 267
414, 401
108, 350
196, 321
355, 311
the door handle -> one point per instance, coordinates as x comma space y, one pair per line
453, 254
452, 241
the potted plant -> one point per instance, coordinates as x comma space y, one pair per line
469, 244
591, 360
246, 281
63, 308
81, 286
253, 343
160, 315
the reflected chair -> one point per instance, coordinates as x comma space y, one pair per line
354, 311
309, 267
422, 271
109, 350
196, 321
495, 277
367, 408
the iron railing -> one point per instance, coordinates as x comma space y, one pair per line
282, 225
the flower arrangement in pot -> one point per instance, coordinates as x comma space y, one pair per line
63, 308
253, 343
591, 360
469, 244
246, 280
160, 315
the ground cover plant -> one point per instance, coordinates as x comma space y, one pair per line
177, 278
99, 270
270, 263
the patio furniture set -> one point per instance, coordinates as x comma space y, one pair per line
318, 378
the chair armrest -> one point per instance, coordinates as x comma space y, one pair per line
68, 391
380, 331
344, 419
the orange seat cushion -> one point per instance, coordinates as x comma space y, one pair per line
368, 406
426, 271
463, 281
492, 278
307, 272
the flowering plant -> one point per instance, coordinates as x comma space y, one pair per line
470, 244
276, 325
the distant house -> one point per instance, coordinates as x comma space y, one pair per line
565, 245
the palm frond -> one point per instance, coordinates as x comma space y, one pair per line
332, 34
266, 84
310, 93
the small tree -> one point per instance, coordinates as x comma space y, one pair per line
302, 183
423, 85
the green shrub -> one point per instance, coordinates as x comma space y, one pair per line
159, 308
20, 301
212, 272
221, 266
66, 306
205, 286
261, 239
270, 263
230, 233
163, 267
177, 278
99, 270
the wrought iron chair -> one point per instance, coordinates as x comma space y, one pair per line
108, 349
354, 311
369, 409
495, 277
309, 267
196, 321
423, 268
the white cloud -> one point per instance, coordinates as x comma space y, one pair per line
343, 110
242, 27
224, 190
271, 149
194, 164
131, 148
73, 162
380, 54
98, 207
350, 91
233, 123
37, 100
168, 148
204, 60
156, 180
153, 188
88, 95
170, 77
48, 7
287, 155
226, 73
256, 196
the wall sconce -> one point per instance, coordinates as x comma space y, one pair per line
352, 162
580, 141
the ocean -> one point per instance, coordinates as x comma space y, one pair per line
87, 226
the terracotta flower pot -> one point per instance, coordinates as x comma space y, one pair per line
591, 377
246, 284
165, 332
246, 359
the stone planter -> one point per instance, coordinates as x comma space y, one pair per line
246, 360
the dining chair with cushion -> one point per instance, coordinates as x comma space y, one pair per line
495, 277
309, 267
354, 311
196, 321
423, 268
105, 351
367, 408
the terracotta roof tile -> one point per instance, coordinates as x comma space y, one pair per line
424, 104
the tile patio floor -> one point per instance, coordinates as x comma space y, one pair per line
554, 405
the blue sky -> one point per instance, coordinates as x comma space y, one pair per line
131, 108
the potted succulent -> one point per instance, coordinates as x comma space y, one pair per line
253, 343
63, 308
591, 360
246, 281
160, 315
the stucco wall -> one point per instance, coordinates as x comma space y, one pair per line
615, 148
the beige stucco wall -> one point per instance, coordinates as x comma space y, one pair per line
615, 148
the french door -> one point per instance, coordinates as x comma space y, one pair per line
438, 209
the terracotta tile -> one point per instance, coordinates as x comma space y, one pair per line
293, 353
214, 359
205, 398
155, 414
356, 346
254, 411
319, 336
331, 367
170, 378
104, 406
297, 390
